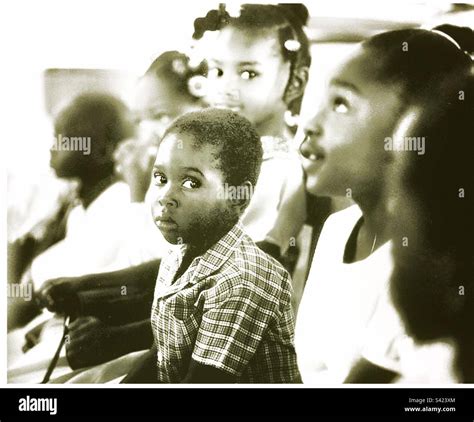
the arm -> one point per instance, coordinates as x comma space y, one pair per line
133, 162
61, 294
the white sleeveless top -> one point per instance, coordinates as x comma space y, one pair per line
346, 313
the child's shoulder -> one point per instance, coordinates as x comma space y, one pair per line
253, 269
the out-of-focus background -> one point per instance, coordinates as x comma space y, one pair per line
56, 49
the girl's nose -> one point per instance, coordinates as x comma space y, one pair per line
314, 126
231, 94
228, 87
312, 134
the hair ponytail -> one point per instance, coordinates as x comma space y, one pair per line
175, 68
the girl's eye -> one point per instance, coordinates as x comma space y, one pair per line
340, 105
159, 179
191, 183
215, 72
248, 74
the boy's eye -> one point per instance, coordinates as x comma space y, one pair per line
191, 183
340, 105
248, 74
215, 72
159, 179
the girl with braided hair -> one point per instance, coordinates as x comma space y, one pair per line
258, 58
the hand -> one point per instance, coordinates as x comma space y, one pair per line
133, 162
59, 295
90, 342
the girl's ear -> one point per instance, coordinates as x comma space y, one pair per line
296, 84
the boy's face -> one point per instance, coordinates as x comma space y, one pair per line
343, 150
189, 205
247, 74
66, 164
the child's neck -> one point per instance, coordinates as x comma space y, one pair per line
273, 126
374, 231
91, 188
193, 250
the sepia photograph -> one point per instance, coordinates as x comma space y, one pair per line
258, 194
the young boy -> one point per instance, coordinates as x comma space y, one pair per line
221, 311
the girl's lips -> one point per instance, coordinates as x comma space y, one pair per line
311, 150
316, 157
312, 163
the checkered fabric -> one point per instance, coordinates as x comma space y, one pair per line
230, 310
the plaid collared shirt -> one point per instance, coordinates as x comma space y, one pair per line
230, 310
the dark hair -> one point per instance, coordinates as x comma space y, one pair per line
102, 117
286, 20
440, 258
419, 60
239, 149
176, 70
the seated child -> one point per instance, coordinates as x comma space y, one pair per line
95, 236
347, 328
221, 311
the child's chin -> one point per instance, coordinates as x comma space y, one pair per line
172, 238
314, 185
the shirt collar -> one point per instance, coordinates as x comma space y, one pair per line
213, 259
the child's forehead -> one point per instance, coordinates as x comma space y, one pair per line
186, 147
357, 73
238, 44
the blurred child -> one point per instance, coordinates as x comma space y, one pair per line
346, 330
433, 224
222, 309
87, 132
169, 88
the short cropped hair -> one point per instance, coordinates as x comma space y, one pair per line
101, 116
238, 146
